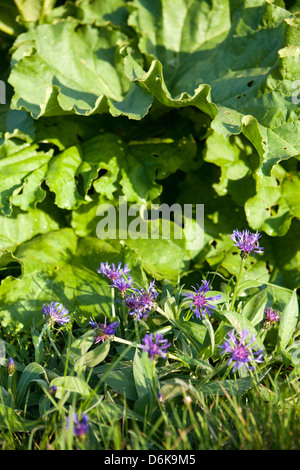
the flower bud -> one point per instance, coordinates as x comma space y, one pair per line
11, 368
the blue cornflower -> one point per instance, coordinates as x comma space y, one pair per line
247, 242
80, 426
142, 301
201, 304
122, 284
113, 272
103, 331
242, 352
157, 348
56, 313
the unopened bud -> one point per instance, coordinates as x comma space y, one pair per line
11, 366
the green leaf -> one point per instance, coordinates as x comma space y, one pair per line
85, 77
56, 267
94, 357
80, 346
22, 170
255, 307
60, 178
236, 67
30, 374
195, 330
23, 226
235, 387
9, 419
8, 23
240, 323
143, 370
72, 385
288, 322
33, 10
236, 160
122, 381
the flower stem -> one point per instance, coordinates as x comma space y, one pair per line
52, 341
237, 283
113, 310
124, 341
137, 331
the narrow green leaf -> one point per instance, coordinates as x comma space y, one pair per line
30, 374
288, 322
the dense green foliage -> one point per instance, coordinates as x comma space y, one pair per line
189, 102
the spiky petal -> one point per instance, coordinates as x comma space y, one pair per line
242, 351
155, 345
201, 304
247, 242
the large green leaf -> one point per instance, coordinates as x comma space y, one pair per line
58, 267
23, 226
75, 70
236, 64
29, 375
22, 170
99, 12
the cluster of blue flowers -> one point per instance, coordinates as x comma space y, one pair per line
140, 302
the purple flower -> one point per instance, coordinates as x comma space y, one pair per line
122, 284
113, 272
52, 389
103, 331
242, 352
80, 426
11, 368
56, 313
157, 348
201, 305
142, 301
271, 317
247, 242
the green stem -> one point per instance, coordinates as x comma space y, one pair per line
137, 331
124, 341
154, 394
237, 283
52, 342
10, 392
113, 310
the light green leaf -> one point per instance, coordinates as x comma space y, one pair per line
23, 226
9, 419
94, 357
288, 322
75, 70
33, 10
61, 178
143, 371
71, 384
23, 169
236, 67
